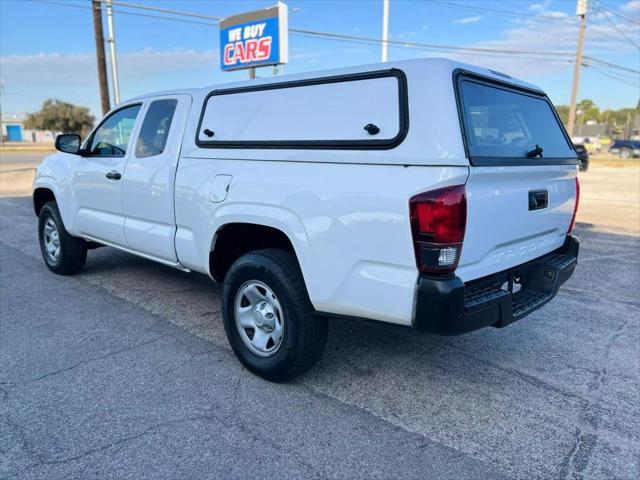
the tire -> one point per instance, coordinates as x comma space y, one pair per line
71, 253
626, 153
298, 335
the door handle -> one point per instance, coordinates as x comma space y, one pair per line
113, 175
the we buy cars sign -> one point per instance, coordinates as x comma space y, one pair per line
253, 39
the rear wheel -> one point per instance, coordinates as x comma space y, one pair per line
268, 317
626, 153
62, 253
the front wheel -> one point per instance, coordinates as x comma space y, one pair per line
268, 317
626, 153
62, 253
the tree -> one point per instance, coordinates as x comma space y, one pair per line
620, 117
563, 113
589, 111
59, 116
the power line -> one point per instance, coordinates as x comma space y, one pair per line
329, 35
606, 15
617, 14
344, 36
612, 76
627, 76
539, 55
125, 12
165, 10
598, 33
503, 13
402, 43
399, 44
611, 65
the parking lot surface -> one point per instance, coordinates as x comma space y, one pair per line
124, 372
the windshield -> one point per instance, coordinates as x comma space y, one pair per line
505, 123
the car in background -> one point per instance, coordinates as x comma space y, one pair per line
625, 148
583, 157
592, 144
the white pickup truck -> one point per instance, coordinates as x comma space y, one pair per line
425, 193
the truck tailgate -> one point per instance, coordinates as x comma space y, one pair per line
503, 229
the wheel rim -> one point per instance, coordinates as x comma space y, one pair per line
259, 318
51, 239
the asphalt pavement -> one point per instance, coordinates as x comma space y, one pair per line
31, 157
123, 371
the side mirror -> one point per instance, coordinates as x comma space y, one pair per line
68, 143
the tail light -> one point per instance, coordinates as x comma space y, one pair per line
575, 207
438, 221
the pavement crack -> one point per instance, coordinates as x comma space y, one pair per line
123, 440
27, 446
578, 456
530, 379
93, 359
580, 293
234, 410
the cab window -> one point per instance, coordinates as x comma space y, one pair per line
155, 128
112, 136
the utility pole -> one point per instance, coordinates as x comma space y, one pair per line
581, 11
102, 64
112, 50
385, 30
627, 129
1, 134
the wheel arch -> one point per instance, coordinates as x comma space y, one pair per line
42, 195
236, 238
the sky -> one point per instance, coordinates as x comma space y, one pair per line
47, 47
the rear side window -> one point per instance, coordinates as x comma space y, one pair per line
504, 123
155, 128
352, 111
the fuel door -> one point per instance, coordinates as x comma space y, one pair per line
220, 188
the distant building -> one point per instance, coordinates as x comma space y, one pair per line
593, 130
13, 131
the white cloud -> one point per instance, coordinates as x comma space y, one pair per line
632, 6
360, 51
467, 20
311, 56
30, 79
404, 35
554, 14
559, 33
539, 7
80, 69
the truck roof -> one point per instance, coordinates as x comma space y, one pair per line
442, 65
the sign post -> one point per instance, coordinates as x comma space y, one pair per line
254, 39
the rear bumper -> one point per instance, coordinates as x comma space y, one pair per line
451, 307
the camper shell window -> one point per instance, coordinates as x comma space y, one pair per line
325, 113
509, 125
